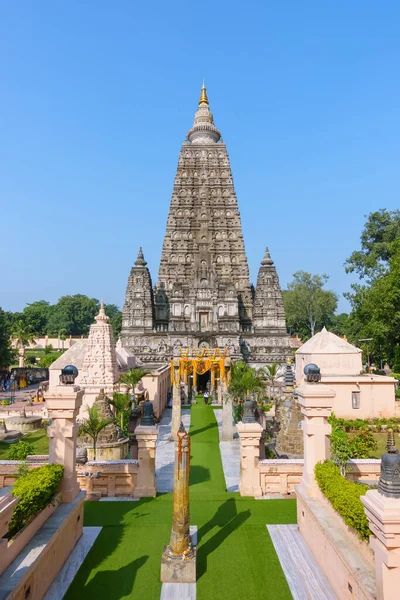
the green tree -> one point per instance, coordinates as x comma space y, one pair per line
244, 380
121, 403
36, 315
132, 377
376, 310
75, 314
63, 336
380, 231
271, 373
339, 324
6, 352
115, 315
23, 333
307, 305
93, 425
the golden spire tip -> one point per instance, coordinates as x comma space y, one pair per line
203, 96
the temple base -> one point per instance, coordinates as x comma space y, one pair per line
176, 570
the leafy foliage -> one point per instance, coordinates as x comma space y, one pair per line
344, 447
341, 451
23, 333
47, 360
244, 380
6, 353
93, 425
20, 450
344, 496
307, 305
132, 377
380, 231
121, 403
35, 490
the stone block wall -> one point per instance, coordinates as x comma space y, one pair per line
281, 476
116, 477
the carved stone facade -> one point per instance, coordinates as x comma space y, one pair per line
203, 297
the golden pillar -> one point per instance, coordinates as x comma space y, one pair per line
178, 563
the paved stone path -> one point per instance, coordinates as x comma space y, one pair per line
302, 572
71, 566
165, 451
230, 456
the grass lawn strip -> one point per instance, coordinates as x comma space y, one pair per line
236, 558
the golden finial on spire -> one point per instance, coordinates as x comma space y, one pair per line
203, 96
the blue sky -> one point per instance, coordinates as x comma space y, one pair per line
96, 99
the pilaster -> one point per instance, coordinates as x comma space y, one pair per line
146, 476
250, 435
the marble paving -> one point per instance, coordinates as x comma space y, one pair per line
230, 456
63, 580
181, 591
119, 499
303, 574
165, 451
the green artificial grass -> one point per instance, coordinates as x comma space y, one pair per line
38, 438
235, 556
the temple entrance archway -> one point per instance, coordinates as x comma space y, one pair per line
204, 382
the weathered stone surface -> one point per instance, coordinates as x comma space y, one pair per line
203, 297
289, 440
176, 570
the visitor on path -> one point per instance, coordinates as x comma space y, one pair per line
206, 394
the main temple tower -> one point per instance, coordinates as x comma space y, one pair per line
203, 297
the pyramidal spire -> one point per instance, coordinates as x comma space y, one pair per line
267, 260
140, 262
203, 130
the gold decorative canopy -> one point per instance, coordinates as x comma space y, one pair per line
203, 96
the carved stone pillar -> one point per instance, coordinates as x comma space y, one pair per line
63, 403
176, 401
146, 476
249, 434
315, 400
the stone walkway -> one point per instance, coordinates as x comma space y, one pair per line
230, 456
165, 451
71, 566
302, 572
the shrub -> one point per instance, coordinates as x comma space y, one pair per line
363, 445
20, 450
344, 497
48, 359
35, 491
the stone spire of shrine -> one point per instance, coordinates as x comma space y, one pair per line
203, 130
138, 311
100, 367
268, 302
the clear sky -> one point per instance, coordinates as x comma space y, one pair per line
96, 99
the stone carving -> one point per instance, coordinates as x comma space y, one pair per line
204, 266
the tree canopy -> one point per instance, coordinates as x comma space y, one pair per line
71, 315
6, 353
308, 306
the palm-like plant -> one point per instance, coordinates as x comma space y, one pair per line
244, 380
121, 403
132, 377
93, 425
22, 333
271, 373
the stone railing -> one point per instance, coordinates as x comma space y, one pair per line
281, 476
108, 478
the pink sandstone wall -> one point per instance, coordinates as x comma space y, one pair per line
376, 399
346, 561
281, 476
158, 385
116, 478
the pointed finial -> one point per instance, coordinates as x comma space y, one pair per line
267, 260
140, 262
391, 444
102, 314
203, 96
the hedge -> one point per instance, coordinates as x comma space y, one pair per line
35, 490
344, 497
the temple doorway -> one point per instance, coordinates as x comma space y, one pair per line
204, 382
